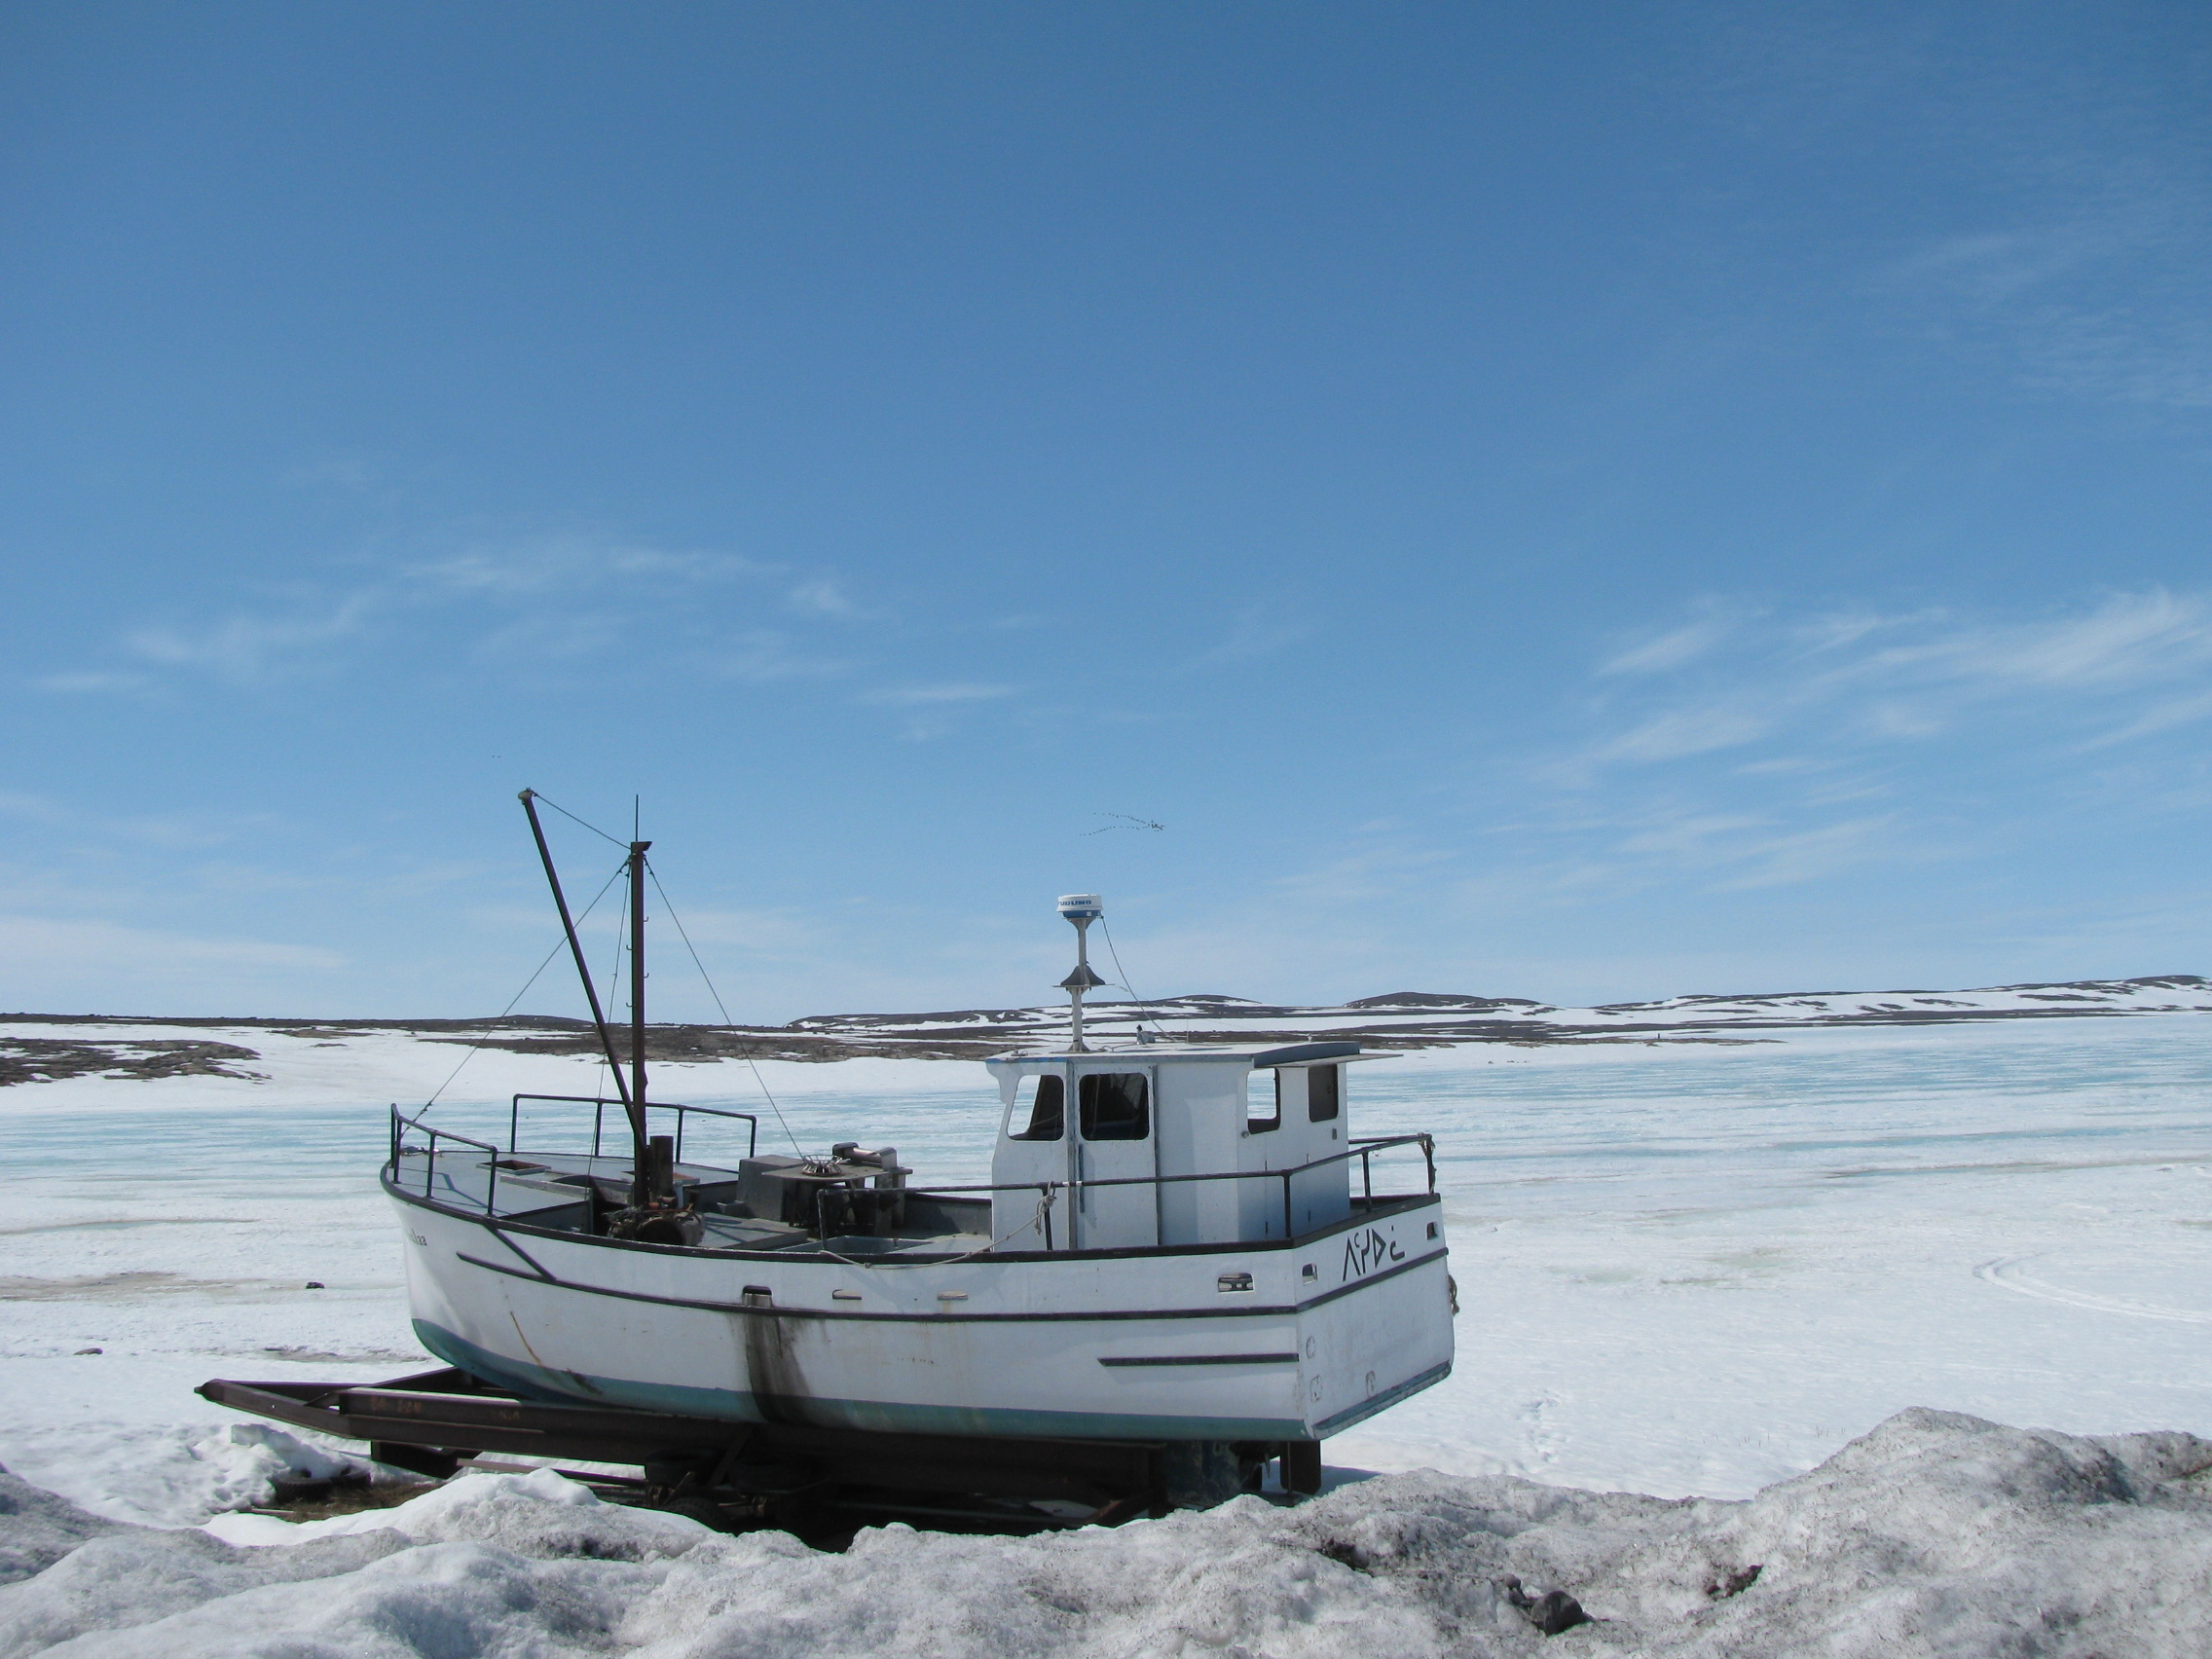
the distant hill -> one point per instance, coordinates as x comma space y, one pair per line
32, 1047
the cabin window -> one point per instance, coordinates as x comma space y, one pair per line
1041, 1106
1263, 1104
1324, 1096
1114, 1106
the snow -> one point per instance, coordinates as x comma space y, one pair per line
1936, 1534
1774, 1297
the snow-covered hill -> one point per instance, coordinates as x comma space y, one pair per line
44, 1048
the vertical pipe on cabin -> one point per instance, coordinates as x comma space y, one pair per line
640, 1191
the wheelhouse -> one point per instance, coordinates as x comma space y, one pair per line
1156, 1146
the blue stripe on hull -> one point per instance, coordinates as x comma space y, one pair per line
535, 1382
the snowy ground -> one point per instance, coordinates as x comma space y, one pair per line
1683, 1269
1935, 1534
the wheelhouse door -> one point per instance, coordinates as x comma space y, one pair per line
1034, 1147
1116, 1142
1323, 1196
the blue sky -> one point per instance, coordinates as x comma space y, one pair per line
1581, 501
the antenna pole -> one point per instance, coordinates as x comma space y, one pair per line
1081, 910
1082, 973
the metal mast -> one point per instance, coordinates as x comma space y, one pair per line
641, 1185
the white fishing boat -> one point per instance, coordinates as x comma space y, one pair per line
1177, 1244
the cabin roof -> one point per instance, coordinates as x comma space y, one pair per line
1253, 1055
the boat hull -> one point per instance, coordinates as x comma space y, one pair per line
1156, 1344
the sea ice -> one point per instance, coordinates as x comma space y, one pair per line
1687, 1272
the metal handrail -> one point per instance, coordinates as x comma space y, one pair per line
1425, 1141
599, 1105
430, 1155
1362, 1150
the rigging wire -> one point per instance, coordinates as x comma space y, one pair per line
1125, 985
608, 1079
559, 945
727, 1022
574, 819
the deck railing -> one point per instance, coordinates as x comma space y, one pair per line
599, 1105
1364, 1151
401, 1124
1047, 1192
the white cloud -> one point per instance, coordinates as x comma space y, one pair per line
824, 597
1671, 649
35, 809
2129, 640
534, 569
1901, 718
354, 470
550, 600
554, 636
1256, 631
1860, 679
89, 682
1690, 836
1810, 853
1371, 872
1682, 732
761, 656
74, 946
2039, 297
247, 648
2161, 716
930, 696
1814, 746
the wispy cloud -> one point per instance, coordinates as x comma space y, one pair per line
1769, 751
1808, 855
2127, 666
553, 600
536, 567
543, 636
1673, 647
89, 683
1258, 629
760, 655
2095, 297
73, 946
1678, 733
354, 470
244, 649
1379, 869
934, 696
823, 597
2129, 640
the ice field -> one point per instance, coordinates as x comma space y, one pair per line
1683, 1269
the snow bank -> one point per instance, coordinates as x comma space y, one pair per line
37, 1527
178, 1474
537, 1514
1936, 1534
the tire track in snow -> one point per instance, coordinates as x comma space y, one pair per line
2005, 1273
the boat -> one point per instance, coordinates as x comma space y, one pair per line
1179, 1244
